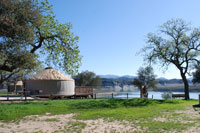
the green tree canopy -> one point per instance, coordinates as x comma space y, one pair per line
29, 30
145, 77
16, 20
196, 74
87, 78
176, 43
56, 41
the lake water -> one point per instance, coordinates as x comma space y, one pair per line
151, 94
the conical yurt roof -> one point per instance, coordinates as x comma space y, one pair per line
19, 83
49, 74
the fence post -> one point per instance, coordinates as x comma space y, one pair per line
112, 95
7, 97
199, 99
95, 96
152, 96
25, 95
127, 95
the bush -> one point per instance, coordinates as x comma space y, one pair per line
167, 95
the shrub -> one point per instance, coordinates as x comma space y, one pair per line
167, 95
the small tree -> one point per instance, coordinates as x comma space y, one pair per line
145, 79
87, 78
176, 44
196, 75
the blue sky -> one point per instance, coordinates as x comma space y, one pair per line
112, 32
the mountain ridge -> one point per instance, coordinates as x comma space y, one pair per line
112, 76
112, 80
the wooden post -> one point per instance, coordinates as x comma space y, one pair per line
15, 87
7, 96
7, 92
25, 94
127, 95
112, 95
95, 96
199, 99
152, 96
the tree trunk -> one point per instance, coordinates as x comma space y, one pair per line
186, 86
1, 82
141, 92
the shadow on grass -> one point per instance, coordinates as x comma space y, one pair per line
115, 103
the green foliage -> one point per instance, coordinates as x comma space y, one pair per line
23, 61
145, 77
176, 43
56, 41
167, 95
87, 78
16, 20
29, 30
196, 75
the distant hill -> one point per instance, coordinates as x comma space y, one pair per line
127, 77
112, 80
116, 76
109, 76
162, 78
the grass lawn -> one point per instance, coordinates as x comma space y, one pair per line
138, 112
3, 93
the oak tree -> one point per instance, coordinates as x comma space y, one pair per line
29, 30
176, 43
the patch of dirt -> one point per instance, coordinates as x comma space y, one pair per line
189, 112
61, 123
37, 124
161, 119
100, 126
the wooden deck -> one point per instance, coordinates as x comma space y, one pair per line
80, 92
83, 92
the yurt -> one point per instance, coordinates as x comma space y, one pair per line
15, 87
50, 82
